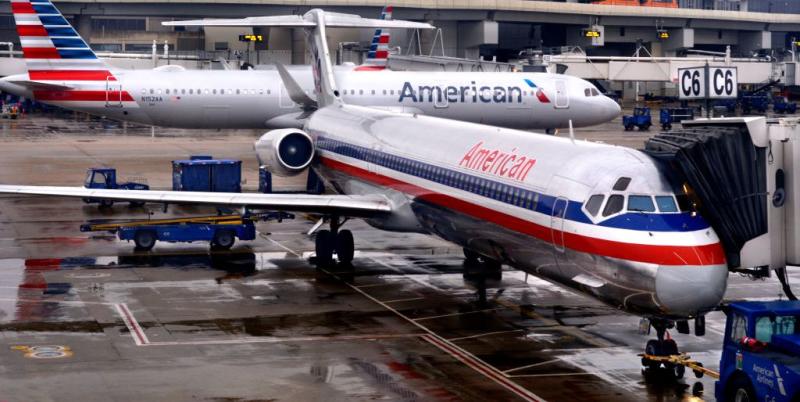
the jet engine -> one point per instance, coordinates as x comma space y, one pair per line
285, 152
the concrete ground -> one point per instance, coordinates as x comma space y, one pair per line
84, 317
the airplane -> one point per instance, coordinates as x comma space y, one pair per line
600, 219
64, 71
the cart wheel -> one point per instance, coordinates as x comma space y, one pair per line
644, 127
144, 240
224, 239
698, 373
106, 203
678, 370
345, 248
629, 127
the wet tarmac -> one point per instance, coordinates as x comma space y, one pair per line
84, 317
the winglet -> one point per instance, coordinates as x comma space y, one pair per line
295, 91
324, 80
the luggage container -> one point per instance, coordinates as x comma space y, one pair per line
215, 175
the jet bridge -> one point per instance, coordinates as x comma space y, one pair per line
743, 175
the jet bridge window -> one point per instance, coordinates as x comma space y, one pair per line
614, 205
594, 204
666, 203
641, 203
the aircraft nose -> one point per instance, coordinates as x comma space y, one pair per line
611, 108
685, 290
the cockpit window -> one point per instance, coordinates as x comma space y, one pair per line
666, 203
594, 203
595, 92
683, 203
587, 92
641, 203
622, 184
614, 204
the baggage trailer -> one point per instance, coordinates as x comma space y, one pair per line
221, 231
106, 178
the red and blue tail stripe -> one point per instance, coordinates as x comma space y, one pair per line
55, 53
379, 48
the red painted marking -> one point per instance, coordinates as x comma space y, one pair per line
381, 54
711, 254
97, 96
129, 318
31, 30
39, 263
389, 9
22, 8
384, 39
71, 75
542, 97
369, 68
40, 53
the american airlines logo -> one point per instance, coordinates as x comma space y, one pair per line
460, 94
507, 164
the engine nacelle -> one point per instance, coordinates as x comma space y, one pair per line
285, 152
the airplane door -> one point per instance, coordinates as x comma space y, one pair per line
557, 224
562, 98
113, 93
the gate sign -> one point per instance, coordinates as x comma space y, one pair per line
708, 82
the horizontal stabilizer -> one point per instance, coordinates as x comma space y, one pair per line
40, 85
332, 20
344, 205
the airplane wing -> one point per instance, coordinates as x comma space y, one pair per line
335, 20
345, 205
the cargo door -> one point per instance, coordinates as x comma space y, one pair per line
197, 178
562, 97
113, 92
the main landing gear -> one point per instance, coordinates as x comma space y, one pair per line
663, 345
334, 242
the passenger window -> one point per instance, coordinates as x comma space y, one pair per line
666, 203
594, 203
622, 184
373, 92
614, 205
641, 203
152, 91
167, 91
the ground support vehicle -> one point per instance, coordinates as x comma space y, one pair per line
106, 179
641, 119
668, 116
221, 231
782, 106
761, 352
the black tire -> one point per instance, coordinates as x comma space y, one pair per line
740, 389
678, 371
106, 203
698, 373
136, 204
145, 240
224, 239
669, 347
653, 348
345, 246
324, 248
644, 127
471, 256
629, 127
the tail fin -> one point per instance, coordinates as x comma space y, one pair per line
379, 49
52, 48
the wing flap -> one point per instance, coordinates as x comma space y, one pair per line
347, 205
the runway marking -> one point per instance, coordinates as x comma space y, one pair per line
373, 285
403, 300
252, 340
393, 268
135, 329
454, 314
531, 366
450, 348
280, 245
484, 334
55, 301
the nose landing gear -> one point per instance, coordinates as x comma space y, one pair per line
663, 345
334, 241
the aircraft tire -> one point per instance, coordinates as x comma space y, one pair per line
345, 246
323, 246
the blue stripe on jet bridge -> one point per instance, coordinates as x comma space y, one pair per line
45, 9
53, 20
61, 31
513, 195
76, 54
69, 42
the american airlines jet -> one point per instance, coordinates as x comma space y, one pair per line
602, 220
64, 71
